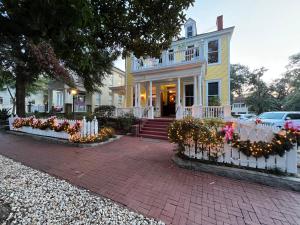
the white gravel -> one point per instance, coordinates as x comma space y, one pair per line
38, 198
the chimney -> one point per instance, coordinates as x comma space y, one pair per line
219, 22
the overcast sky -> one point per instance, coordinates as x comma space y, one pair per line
266, 32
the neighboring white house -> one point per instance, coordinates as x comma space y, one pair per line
33, 102
60, 97
239, 108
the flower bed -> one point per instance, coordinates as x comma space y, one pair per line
254, 146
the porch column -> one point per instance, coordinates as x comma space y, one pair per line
195, 107
157, 106
200, 95
135, 95
139, 94
150, 112
150, 93
195, 91
178, 91
179, 110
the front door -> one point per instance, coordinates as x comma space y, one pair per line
168, 106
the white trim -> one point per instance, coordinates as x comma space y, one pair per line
219, 89
219, 51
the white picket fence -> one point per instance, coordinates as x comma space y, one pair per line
286, 163
253, 132
86, 128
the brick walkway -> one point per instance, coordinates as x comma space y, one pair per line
140, 174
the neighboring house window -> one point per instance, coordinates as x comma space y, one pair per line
213, 52
189, 94
120, 100
59, 98
171, 55
110, 100
189, 31
98, 99
1, 100
213, 94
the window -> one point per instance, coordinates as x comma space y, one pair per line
213, 52
189, 53
189, 31
11, 101
171, 55
59, 98
189, 94
213, 94
98, 98
120, 99
294, 116
1, 100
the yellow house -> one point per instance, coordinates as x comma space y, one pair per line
192, 77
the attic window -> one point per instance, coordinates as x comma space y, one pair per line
189, 31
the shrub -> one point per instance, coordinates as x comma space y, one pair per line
197, 133
105, 111
125, 122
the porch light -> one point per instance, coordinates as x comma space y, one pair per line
73, 91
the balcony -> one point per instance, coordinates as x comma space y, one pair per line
169, 59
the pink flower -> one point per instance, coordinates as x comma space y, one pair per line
228, 129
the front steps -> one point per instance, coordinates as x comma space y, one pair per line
156, 128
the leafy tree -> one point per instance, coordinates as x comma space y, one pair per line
239, 75
260, 98
82, 36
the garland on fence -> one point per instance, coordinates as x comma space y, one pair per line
281, 142
103, 135
50, 123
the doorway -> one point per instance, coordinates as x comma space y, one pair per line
168, 103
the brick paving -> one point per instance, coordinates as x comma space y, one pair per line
139, 173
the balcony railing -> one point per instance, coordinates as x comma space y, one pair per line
169, 58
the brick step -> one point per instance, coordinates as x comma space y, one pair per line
155, 125
160, 121
152, 132
162, 137
155, 128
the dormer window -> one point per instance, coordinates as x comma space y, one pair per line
189, 31
190, 28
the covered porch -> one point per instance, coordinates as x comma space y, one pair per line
177, 94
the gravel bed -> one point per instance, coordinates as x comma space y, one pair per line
37, 198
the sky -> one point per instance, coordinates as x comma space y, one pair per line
266, 32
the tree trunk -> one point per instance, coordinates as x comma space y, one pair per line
20, 94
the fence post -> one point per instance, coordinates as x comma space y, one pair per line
84, 126
95, 125
291, 160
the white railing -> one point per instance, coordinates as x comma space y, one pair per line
123, 111
187, 111
168, 58
37, 108
213, 112
80, 108
86, 128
